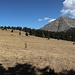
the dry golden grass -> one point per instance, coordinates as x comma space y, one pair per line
40, 52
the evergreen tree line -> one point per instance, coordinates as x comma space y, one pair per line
69, 36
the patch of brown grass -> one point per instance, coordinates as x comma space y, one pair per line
40, 52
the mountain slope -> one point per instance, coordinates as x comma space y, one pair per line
61, 24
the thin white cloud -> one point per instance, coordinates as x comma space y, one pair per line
46, 19
69, 8
51, 20
40, 19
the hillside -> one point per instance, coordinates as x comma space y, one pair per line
40, 52
61, 24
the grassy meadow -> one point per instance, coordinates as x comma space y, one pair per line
40, 52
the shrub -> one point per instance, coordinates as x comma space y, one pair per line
19, 33
26, 34
12, 31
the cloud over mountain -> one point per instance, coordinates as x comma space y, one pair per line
46, 19
51, 20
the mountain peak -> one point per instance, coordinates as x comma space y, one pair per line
63, 17
61, 24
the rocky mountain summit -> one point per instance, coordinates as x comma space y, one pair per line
61, 24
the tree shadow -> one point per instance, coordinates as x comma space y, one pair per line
22, 69
28, 69
2, 70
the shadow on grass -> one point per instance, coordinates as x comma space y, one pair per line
27, 69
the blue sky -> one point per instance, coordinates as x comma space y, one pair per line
31, 13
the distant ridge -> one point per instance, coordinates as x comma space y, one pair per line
61, 24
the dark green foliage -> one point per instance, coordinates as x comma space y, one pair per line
68, 35
13, 28
32, 32
4, 28
26, 34
1, 27
19, 28
25, 29
12, 31
8, 27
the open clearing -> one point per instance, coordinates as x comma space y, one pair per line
40, 52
